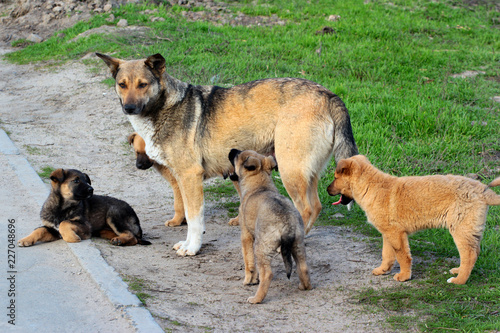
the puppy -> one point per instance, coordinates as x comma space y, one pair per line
72, 212
398, 207
143, 162
267, 219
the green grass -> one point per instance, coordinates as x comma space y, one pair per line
138, 285
390, 61
45, 172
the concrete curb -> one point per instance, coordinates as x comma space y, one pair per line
108, 280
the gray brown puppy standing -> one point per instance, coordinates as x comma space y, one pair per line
268, 220
72, 212
400, 206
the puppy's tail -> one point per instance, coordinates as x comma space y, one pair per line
286, 253
143, 241
493, 199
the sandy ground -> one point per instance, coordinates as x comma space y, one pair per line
64, 117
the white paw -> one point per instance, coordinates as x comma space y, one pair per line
450, 280
179, 245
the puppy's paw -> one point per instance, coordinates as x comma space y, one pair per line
454, 270
305, 287
26, 241
116, 241
380, 271
234, 221
175, 222
254, 300
182, 252
402, 276
250, 281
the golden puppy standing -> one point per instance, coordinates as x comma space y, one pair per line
400, 206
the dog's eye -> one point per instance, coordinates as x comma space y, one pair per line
122, 85
143, 85
76, 180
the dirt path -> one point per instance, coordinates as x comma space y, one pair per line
66, 118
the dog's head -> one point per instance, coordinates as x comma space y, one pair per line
247, 163
71, 184
138, 82
346, 174
142, 160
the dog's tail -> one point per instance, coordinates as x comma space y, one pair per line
344, 145
286, 253
143, 241
493, 199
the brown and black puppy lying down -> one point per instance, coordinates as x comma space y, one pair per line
268, 220
398, 207
72, 212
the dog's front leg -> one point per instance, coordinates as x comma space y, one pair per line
179, 215
388, 258
191, 186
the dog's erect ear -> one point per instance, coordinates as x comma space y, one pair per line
87, 179
156, 63
131, 138
113, 63
269, 163
252, 163
344, 167
58, 176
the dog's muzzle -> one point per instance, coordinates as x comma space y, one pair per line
131, 109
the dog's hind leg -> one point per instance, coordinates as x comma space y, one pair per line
265, 275
468, 248
107, 234
299, 255
314, 202
297, 187
179, 215
125, 238
388, 258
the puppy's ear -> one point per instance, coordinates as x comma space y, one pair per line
269, 163
113, 63
58, 176
131, 138
252, 163
344, 167
156, 64
232, 155
87, 179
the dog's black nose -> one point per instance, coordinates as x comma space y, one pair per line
130, 109
90, 190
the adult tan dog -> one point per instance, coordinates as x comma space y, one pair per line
72, 212
268, 221
400, 206
190, 129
